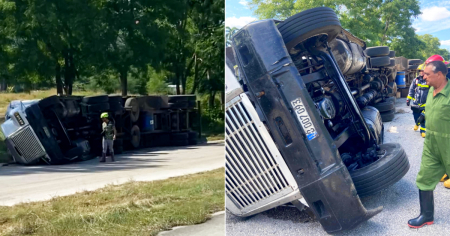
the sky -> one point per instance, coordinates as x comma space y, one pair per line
434, 20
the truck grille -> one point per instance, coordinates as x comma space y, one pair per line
27, 144
253, 173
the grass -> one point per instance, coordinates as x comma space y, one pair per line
6, 98
134, 208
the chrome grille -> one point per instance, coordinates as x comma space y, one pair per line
27, 144
253, 174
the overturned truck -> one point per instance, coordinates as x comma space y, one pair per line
61, 129
301, 130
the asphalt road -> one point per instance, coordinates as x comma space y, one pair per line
34, 183
400, 201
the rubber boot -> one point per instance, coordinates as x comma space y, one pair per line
426, 216
416, 127
112, 157
103, 158
447, 183
444, 178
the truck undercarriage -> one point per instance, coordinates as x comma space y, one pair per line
299, 125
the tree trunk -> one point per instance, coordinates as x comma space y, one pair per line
195, 83
212, 97
222, 99
124, 82
59, 86
177, 82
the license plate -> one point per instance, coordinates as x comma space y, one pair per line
304, 119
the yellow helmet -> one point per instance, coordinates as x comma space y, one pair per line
421, 67
104, 115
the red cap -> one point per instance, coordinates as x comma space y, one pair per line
434, 58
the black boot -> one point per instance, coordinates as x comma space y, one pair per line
426, 216
103, 158
112, 156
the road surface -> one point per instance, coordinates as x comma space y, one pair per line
35, 183
400, 201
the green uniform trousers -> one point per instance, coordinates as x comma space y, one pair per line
436, 148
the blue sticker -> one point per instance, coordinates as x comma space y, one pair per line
311, 136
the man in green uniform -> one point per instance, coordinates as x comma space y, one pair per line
109, 135
436, 149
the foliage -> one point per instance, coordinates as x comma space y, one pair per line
113, 44
229, 32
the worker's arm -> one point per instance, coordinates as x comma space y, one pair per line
115, 133
412, 91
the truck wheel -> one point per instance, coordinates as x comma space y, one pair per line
135, 136
384, 172
95, 99
309, 23
392, 63
392, 54
193, 138
379, 51
74, 152
97, 108
415, 62
133, 104
118, 150
179, 136
388, 115
115, 99
49, 101
384, 106
413, 67
380, 61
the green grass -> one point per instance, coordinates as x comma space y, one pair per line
134, 208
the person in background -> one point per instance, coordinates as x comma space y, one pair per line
109, 135
436, 151
418, 92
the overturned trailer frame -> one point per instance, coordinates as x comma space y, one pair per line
61, 129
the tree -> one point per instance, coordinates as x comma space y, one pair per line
229, 32
378, 22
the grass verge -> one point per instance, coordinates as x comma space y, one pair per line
134, 208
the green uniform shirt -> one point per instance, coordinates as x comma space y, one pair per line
108, 130
436, 148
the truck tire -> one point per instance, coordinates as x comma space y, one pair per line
184, 142
95, 99
179, 136
309, 23
132, 103
96, 108
193, 138
115, 107
384, 106
118, 149
115, 99
379, 51
135, 136
384, 172
74, 152
415, 62
380, 61
391, 62
392, 54
49, 101
388, 115
413, 67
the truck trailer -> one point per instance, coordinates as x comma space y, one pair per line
62, 129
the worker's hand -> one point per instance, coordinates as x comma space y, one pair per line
407, 102
114, 137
